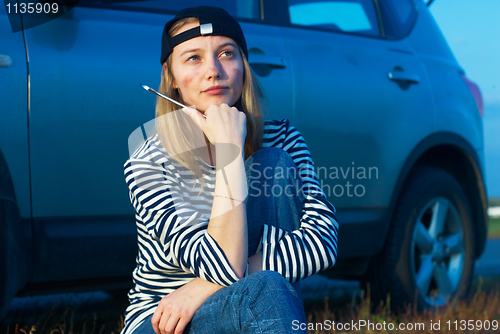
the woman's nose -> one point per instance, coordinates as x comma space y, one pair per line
214, 70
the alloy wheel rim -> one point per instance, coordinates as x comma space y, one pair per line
438, 251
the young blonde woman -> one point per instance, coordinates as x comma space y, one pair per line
230, 214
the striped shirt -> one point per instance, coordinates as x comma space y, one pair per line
172, 218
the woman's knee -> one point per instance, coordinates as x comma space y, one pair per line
272, 156
269, 151
272, 163
270, 284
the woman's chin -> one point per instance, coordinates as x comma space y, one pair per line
217, 101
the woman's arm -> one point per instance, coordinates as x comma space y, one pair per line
227, 223
225, 127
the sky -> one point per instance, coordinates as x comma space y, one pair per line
472, 29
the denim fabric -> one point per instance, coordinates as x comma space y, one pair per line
263, 302
274, 193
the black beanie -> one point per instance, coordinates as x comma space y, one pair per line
213, 21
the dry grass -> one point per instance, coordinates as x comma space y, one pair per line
65, 324
482, 306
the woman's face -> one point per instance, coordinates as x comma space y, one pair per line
207, 70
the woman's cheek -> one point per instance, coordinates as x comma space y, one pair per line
239, 79
187, 89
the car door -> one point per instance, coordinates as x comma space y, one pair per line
86, 68
362, 102
14, 110
15, 208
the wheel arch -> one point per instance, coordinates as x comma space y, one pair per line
452, 153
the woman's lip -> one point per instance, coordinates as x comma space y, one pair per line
215, 90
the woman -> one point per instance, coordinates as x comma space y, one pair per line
229, 210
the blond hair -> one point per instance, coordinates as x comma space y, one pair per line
172, 133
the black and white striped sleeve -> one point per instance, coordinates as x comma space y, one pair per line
313, 248
156, 195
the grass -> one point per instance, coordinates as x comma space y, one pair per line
494, 228
483, 304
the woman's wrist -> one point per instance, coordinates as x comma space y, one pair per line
232, 199
208, 288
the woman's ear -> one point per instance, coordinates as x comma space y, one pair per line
163, 69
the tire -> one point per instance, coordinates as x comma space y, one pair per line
429, 250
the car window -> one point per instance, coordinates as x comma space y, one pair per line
246, 9
398, 17
356, 16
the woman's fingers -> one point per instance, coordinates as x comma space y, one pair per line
170, 318
155, 320
171, 326
225, 124
175, 310
196, 116
163, 322
181, 325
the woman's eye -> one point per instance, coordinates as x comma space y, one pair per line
193, 57
227, 53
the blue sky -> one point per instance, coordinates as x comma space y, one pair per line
472, 29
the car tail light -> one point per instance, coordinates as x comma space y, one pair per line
476, 93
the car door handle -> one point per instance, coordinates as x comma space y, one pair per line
5, 61
401, 76
273, 61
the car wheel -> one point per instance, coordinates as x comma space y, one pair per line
429, 248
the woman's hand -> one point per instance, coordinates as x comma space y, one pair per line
176, 309
223, 124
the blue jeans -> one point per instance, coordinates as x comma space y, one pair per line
272, 177
263, 302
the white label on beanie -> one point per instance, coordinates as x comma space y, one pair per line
206, 29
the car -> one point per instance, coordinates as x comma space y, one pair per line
393, 125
